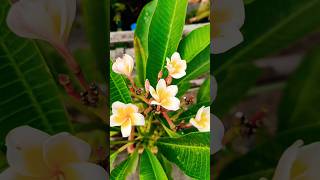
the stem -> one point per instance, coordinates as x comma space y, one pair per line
131, 138
165, 115
132, 82
72, 64
141, 98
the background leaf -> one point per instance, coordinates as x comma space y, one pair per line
301, 101
191, 153
125, 168
150, 167
29, 95
163, 42
118, 88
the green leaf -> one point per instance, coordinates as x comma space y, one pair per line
96, 17
279, 29
183, 88
204, 92
301, 101
191, 153
118, 88
150, 167
125, 168
3, 161
194, 43
28, 93
166, 165
169, 131
141, 40
237, 81
198, 66
165, 32
266, 155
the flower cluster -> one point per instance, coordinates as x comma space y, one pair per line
162, 98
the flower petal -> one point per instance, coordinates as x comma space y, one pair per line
229, 38
129, 62
286, 161
230, 12
24, 151
126, 129
217, 133
64, 148
138, 119
161, 85
153, 93
116, 120
175, 56
172, 90
84, 171
116, 106
172, 104
178, 75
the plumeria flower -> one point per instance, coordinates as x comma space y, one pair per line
165, 96
176, 66
123, 65
202, 119
299, 162
217, 133
35, 155
227, 19
49, 20
126, 116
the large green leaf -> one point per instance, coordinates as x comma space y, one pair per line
166, 165
150, 167
118, 88
267, 155
284, 22
125, 168
190, 152
96, 17
141, 39
234, 87
29, 94
204, 92
164, 34
301, 101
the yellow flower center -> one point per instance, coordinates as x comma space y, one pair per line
298, 168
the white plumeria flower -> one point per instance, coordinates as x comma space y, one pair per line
33, 154
217, 133
49, 20
299, 162
126, 116
165, 96
202, 119
123, 65
227, 19
176, 66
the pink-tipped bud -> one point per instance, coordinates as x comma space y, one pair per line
160, 74
147, 85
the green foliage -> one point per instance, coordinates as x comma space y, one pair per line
125, 168
301, 101
204, 92
29, 94
150, 167
118, 88
191, 153
164, 34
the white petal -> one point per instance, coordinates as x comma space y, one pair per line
153, 93
24, 151
199, 113
309, 156
161, 85
117, 105
230, 38
138, 119
118, 66
71, 6
282, 171
172, 104
178, 75
233, 8
115, 121
133, 107
84, 171
217, 133
64, 148
173, 90
175, 56
129, 61
155, 102
126, 129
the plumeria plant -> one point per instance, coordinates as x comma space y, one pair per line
155, 119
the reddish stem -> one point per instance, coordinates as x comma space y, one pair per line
66, 83
131, 138
165, 115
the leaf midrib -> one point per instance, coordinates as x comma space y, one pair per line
182, 145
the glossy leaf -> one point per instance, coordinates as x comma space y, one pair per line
166, 165
118, 88
125, 168
29, 94
150, 167
301, 101
191, 153
164, 34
